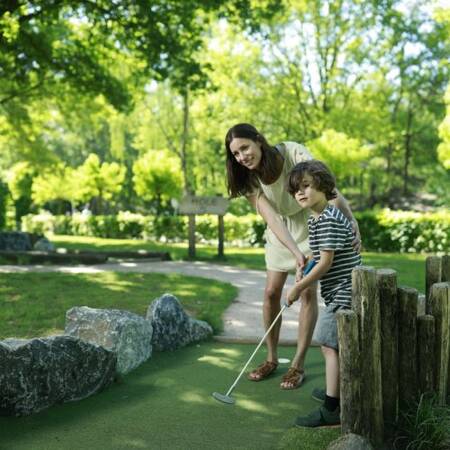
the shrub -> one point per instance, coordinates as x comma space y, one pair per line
391, 231
405, 231
424, 426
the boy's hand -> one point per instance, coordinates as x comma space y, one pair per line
293, 295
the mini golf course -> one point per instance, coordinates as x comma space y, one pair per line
167, 404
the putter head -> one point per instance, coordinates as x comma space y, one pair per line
223, 398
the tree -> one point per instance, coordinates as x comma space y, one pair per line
157, 177
98, 182
20, 180
56, 186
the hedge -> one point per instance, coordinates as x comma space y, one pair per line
384, 230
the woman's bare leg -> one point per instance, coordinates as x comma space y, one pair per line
307, 322
272, 296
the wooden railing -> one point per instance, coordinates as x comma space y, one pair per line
394, 346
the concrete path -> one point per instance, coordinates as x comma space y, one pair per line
242, 319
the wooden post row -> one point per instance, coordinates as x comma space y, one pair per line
350, 373
425, 352
438, 306
407, 346
445, 278
387, 289
365, 302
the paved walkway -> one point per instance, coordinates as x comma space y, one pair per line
242, 319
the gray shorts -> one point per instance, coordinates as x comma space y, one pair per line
326, 329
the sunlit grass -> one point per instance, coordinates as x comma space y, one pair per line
410, 267
35, 304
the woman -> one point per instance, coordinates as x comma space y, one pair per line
259, 171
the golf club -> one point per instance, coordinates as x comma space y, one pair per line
226, 398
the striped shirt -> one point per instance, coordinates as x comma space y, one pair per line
333, 231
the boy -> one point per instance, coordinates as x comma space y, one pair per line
330, 238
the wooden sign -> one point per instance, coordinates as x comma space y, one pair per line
203, 205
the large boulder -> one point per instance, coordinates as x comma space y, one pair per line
172, 327
38, 373
126, 334
350, 441
43, 245
15, 241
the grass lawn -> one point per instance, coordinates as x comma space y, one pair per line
34, 304
410, 267
166, 403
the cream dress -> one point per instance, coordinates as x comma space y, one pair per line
278, 257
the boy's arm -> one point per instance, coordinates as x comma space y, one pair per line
317, 272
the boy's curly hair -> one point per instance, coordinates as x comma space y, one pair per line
323, 179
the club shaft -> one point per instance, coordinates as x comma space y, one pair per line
257, 348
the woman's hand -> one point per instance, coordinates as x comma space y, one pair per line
301, 262
356, 243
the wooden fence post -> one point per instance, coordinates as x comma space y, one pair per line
445, 276
387, 289
407, 343
350, 374
438, 306
432, 273
425, 350
365, 302
445, 268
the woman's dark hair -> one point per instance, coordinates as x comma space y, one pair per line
242, 181
323, 179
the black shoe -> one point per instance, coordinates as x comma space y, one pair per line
320, 417
319, 394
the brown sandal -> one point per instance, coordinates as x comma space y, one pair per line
262, 371
294, 377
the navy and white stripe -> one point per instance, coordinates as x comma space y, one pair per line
333, 231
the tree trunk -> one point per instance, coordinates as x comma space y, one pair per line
189, 188
408, 150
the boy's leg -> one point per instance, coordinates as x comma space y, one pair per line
331, 356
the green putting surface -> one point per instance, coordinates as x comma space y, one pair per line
167, 403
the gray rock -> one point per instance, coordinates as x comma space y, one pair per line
43, 245
38, 373
351, 441
126, 334
15, 241
172, 327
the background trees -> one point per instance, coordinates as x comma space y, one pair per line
125, 107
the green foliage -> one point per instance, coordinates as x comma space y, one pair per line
424, 426
157, 176
20, 180
444, 134
344, 155
404, 231
95, 180
4, 192
57, 184
393, 231
244, 230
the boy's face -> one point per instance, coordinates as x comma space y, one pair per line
308, 196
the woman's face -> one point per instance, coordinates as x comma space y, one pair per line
247, 152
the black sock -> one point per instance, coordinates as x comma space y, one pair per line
331, 403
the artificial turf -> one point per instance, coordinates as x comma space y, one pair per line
166, 403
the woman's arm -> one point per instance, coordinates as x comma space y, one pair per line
274, 222
341, 203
